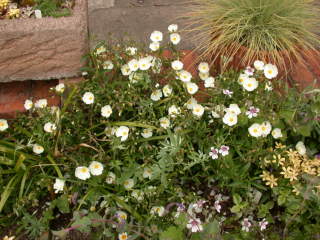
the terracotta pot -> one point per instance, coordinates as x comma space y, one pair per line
300, 73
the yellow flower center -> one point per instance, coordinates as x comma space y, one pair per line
124, 237
190, 89
90, 98
124, 133
264, 128
197, 110
270, 71
231, 119
255, 130
249, 84
96, 166
1, 124
84, 170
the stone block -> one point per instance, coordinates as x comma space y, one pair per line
137, 23
47, 48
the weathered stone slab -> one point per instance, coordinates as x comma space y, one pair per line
47, 48
129, 20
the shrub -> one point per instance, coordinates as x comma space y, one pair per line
133, 153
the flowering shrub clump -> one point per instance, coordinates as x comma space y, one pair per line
146, 149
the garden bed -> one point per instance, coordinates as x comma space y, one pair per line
133, 154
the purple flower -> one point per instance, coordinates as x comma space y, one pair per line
195, 225
224, 150
246, 224
181, 207
227, 92
252, 112
318, 156
214, 153
249, 71
263, 224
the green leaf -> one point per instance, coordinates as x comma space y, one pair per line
62, 204
172, 233
83, 224
211, 229
305, 130
282, 199
182, 220
237, 199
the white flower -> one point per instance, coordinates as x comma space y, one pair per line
60, 88
154, 46
233, 108
203, 67
185, 76
49, 127
224, 150
28, 104
268, 86
167, 90
191, 103
276, 133
122, 132
128, 184
156, 95
58, 185
121, 216
198, 110
230, 119
259, 65
3, 125
164, 122
37, 149
265, 128
194, 225
144, 64
131, 50
110, 131
111, 178
100, 50
107, 65
270, 71
250, 84
246, 224
175, 38
96, 168
249, 71
125, 70
88, 98
106, 111
82, 173
214, 153
252, 112
301, 148
84, 73
41, 103
123, 236
133, 65
217, 206
242, 78
158, 210
203, 76
146, 133
147, 173
173, 27
177, 65
156, 64
255, 130
173, 111
263, 224
138, 194
192, 88
156, 36
209, 82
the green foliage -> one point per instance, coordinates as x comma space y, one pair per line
168, 184
52, 8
